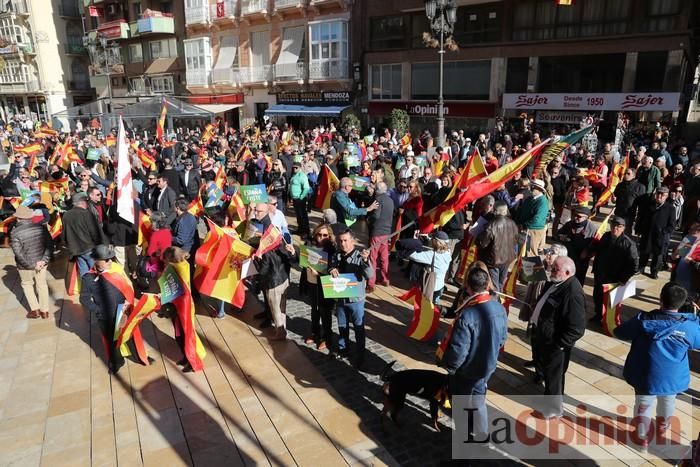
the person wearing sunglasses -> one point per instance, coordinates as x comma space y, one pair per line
321, 308
150, 192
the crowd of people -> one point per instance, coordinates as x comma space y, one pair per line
60, 189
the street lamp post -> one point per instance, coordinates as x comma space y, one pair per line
104, 56
442, 16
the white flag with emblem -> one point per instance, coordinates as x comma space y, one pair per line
125, 189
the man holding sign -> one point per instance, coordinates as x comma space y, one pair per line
350, 260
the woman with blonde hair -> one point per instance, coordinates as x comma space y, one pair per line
438, 260
321, 308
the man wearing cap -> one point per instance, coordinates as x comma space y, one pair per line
656, 221
531, 216
31, 245
299, 191
625, 197
615, 262
577, 235
81, 232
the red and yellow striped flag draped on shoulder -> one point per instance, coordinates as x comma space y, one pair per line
72, 279
220, 180
236, 209
194, 349
468, 255
426, 316
219, 261
511, 284
480, 298
146, 304
326, 186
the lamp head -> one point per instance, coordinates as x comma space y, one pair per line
430, 9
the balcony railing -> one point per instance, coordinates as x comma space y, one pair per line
256, 74
156, 25
329, 69
229, 76
69, 9
79, 85
75, 48
118, 29
12, 88
290, 71
197, 15
229, 10
279, 4
251, 7
197, 78
19, 7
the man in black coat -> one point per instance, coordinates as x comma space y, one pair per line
577, 235
559, 317
190, 181
626, 195
615, 262
656, 221
81, 232
166, 200
150, 192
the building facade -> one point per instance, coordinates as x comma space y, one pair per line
43, 65
269, 57
595, 52
149, 34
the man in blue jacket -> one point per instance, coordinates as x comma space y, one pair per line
344, 207
470, 350
657, 365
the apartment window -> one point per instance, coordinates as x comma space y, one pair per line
137, 85
329, 41
662, 15
165, 48
198, 54
425, 83
581, 73
386, 81
387, 32
12, 32
135, 53
14, 72
162, 84
136, 10
477, 24
419, 25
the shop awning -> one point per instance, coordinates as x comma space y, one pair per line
218, 108
304, 110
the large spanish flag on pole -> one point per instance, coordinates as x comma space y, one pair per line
474, 170
426, 317
219, 261
328, 184
160, 129
558, 146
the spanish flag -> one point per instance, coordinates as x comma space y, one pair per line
220, 179
603, 228
146, 159
110, 140
406, 140
244, 154
219, 261
474, 170
558, 147
426, 316
327, 185
45, 133
6, 223
236, 209
196, 208
72, 279
271, 239
618, 172
209, 132
160, 129
55, 227
466, 257
194, 350
146, 304
611, 318
510, 287
145, 230
31, 150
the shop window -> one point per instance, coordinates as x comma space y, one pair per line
651, 67
386, 81
425, 80
581, 73
387, 32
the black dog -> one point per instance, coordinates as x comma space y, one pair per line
427, 384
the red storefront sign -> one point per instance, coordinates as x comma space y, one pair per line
430, 109
224, 99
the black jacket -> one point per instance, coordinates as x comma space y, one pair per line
576, 239
149, 197
382, 218
191, 189
562, 320
30, 243
273, 268
352, 263
455, 226
81, 232
166, 204
626, 194
616, 259
655, 223
173, 178
120, 231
